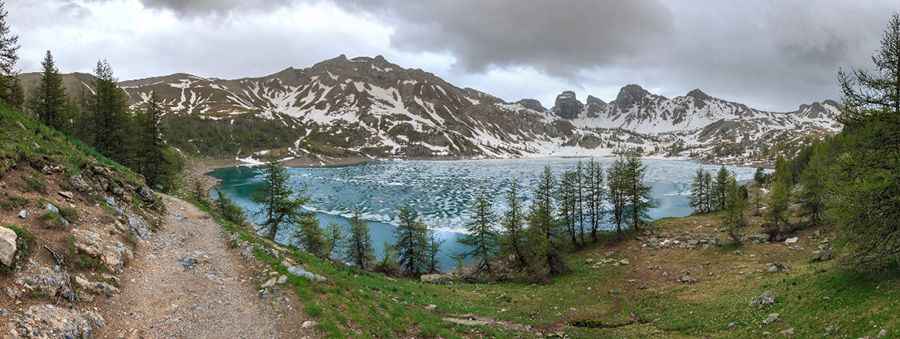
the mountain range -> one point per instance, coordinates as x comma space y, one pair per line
369, 107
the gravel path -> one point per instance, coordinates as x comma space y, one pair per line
186, 283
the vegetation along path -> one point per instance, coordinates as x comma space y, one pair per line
187, 283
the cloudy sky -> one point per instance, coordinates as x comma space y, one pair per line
771, 54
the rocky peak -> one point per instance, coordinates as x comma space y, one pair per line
594, 106
532, 104
567, 105
699, 95
630, 95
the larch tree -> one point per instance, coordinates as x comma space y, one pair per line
412, 243
708, 197
617, 194
720, 188
865, 91
543, 228
481, 237
735, 203
637, 192
779, 201
48, 100
596, 191
813, 192
434, 250
359, 243
308, 230
10, 89
698, 193
109, 115
513, 240
277, 197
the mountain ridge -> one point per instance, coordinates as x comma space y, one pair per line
368, 106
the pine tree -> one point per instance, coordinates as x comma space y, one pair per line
698, 193
481, 236
434, 248
514, 237
567, 205
779, 201
708, 197
812, 181
279, 206
229, 210
153, 159
618, 185
579, 189
759, 177
334, 240
720, 190
735, 203
864, 91
359, 243
309, 232
48, 101
10, 89
543, 228
110, 120
412, 243
596, 191
637, 192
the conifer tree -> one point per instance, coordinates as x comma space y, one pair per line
359, 247
481, 236
812, 181
279, 206
514, 237
108, 109
698, 193
708, 197
579, 188
567, 205
618, 197
309, 232
779, 200
412, 243
866, 92
720, 190
48, 101
543, 229
434, 248
153, 159
334, 240
735, 203
759, 177
10, 89
229, 210
637, 192
596, 196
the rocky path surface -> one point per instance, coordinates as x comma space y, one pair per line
187, 283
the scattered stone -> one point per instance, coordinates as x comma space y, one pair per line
431, 307
765, 299
49, 321
687, 279
774, 267
308, 324
193, 259
793, 240
282, 279
624, 262
46, 283
788, 332
8, 247
438, 279
98, 288
732, 325
52, 208
79, 184
773, 317
66, 194
23, 214
824, 254
146, 194
269, 283
302, 272
113, 256
138, 226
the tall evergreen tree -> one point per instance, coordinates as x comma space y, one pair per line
153, 158
637, 192
109, 112
10, 89
866, 91
514, 237
735, 203
759, 177
596, 191
579, 188
279, 206
618, 188
812, 182
708, 197
720, 188
48, 101
698, 193
779, 200
543, 229
481, 237
359, 248
308, 230
567, 198
334, 241
412, 243
434, 248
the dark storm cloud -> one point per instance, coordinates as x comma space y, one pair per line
205, 7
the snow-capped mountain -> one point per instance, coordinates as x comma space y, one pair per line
371, 107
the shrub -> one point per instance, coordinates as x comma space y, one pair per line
35, 184
53, 220
69, 214
11, 203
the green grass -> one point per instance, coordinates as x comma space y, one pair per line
602, 301
35, 184
53, 220
12, 203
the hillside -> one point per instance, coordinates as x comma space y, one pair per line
369, 107
680, 281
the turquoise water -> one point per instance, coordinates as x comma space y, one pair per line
441, 191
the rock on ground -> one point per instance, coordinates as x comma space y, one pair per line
49, 321
8, 247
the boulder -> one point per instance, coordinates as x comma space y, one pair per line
49, 321
79, 184
765, 299
773, 317
793, 240
112, 255
23, 214
46, 283
824, 254
774, 267
438, 279
146, 194
52, 208
138, 226
8, 247
94, 287
303, 273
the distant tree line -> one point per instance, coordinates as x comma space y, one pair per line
100, 118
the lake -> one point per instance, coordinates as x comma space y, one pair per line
441, 191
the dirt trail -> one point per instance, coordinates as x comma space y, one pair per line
186, 283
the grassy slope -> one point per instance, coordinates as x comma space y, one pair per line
25, 140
